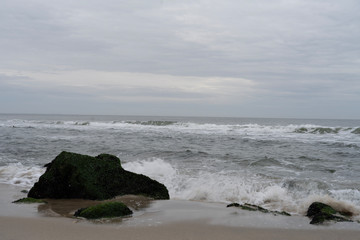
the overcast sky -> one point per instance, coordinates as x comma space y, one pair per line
245, 58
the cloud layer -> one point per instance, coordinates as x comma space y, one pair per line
231, 58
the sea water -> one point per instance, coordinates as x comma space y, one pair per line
280, 164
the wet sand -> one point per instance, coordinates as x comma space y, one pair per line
159, 220
56, 229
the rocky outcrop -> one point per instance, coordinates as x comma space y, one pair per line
321, 212
72, 175
104, 210
251, 207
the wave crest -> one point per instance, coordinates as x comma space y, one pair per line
356, 131
326, 130
152, 123
292, 196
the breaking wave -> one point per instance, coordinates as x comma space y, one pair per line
293, 196
191, 127
19, 174
356, 131
152, 123
326, 130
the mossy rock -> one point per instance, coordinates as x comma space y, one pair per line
72, 175
244, 207
284, 213
318, 207
104, 210
251, 207
321, 212
29, 200
321, 218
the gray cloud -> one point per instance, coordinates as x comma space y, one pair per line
293, 51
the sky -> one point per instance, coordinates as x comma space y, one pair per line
231, 58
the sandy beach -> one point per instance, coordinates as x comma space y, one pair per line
172, 219
57, 229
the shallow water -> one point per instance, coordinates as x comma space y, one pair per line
280, 164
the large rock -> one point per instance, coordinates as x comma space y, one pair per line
72, 175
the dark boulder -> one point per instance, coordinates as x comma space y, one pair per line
321, 212
72, 175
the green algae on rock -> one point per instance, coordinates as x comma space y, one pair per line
321, 212
251, 207
29, 200
104, 210
72, 175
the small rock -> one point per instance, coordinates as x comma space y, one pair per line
104, 210
29, 200
321, 212
251, 207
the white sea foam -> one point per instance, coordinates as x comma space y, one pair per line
155, 168
18, 174
229, 187
265, 131
340, 205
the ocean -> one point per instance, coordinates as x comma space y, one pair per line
280, 164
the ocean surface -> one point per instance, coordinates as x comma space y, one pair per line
280, 164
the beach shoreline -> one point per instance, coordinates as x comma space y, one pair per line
60, 228
164, 219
